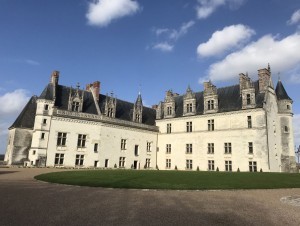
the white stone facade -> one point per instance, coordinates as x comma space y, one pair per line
250, 132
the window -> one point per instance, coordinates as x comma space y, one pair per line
252, 166
169, 110
81, 140
136, 150
61, 139
169, 128
79, 160
228, 165
122, 162
227, 147
42, 136
288, 107
248, 99
189, 126
168, 163
46, 107
33, 152
250, 147
110, 112
189, 164
189, 148
59, 159
137, 117
210, 105
211, 125
189, 108
75, 106
148, 146
168, 148
211, 148
249, 122
211, 165
123, 144
96, 148
96, 163
286, 129
106, 163
147, 163
44, 121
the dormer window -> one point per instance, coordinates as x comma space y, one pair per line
46, 107
75, 106
248, 99
169, 110
110, 112
189, 108
137, 117
210, 105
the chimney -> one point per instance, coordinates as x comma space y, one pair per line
54, 78
155, 106
96, 90
264, 78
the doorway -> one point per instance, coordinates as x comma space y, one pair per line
135, 164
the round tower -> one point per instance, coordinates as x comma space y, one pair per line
285, 121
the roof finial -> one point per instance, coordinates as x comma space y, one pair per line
278, 76
139, 89
269, 68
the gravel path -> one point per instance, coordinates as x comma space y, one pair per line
25, 201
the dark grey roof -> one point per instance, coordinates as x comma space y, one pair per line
280, 92
124, 109
47, 93
27, 116
229, 100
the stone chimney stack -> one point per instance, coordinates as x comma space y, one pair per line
264, 76
95, 88
54, 78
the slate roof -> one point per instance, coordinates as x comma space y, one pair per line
124, 109
27, 116
229, 100
280, 92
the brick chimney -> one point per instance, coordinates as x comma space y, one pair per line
264, 78
95, 88
54, 78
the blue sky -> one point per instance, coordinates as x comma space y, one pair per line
145, 45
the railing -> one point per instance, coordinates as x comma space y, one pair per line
103, 118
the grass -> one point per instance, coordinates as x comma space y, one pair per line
177, 180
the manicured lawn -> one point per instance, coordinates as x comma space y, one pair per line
186, 180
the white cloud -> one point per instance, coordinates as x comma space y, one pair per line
13, 105
32, 62
175, 34
103, 12
14, 102
206, 7
171, 36
296, 126
163, 46
295, 18
282, 54
228, 38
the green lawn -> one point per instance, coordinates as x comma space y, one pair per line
186, 180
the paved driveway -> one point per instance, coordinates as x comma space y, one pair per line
25, 201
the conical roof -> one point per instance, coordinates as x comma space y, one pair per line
280, 92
